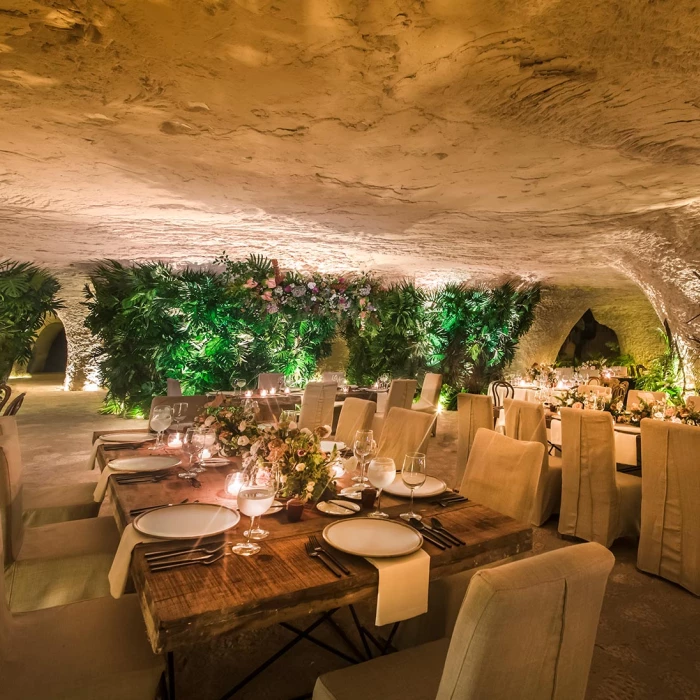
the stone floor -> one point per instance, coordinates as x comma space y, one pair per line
648, 644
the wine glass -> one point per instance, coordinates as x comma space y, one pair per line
413, 475
160, 421
190, 448
267, 471
255, 497
381, 473
363, 446
204, 439
179, 414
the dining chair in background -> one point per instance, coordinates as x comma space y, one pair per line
404, 431
634, 395
693, 403
52, 564
14, 406
82, 651
598, 503
525, 630
602, 392
525, 421
174, 387
194, 405
356, 414
429, 400
317, 405
401, 393
337, 377
474, 411
270, 380
669, 540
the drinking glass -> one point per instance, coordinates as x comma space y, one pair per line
204, 439
363, 446
255, 497
413, 475
381, 473
160, 421
267, 472
190, 448
179, 413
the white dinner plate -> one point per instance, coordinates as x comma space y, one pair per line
371, 537
431, 487
327, 445
186, 521
332, 507
143, 464
276, 507
216, 462
127, 437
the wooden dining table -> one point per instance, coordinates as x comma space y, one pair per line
186, 606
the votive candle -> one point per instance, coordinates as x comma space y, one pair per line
263, 392
234, 481
248, 394
175, 440
273, 391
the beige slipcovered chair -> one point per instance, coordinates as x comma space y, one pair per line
603, 392
356, 414
405, 431
503, 474
400, 395
53, 564
598, 503
633, 396
195, 404
174, 387
270, 380
43, 505
525, 630
429, 400
525, 421
317, 405
82, 651
474, 411
693, 403
669, 540
336, 377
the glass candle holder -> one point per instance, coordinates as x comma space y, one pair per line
233, 483
263, 393
248, 394
175, 440
273, 391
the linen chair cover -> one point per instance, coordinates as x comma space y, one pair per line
53, 564
194, 405
405, 431
174, 387
317, 404
522, 394
525, 630
525, 421
669, 541
82, 651
600, 391
503, 474
270, 380
618, 371
337, 377
474, 411
564, 372
430, 394
693, 402
356, 414
633, 396
598, 503
401, 393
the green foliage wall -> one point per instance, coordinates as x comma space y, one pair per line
203, 327
27, 297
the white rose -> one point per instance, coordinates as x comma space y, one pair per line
242, 426
283, 479
243, 441
310, 486
327, 430
209, 420
305, 431
569, 402
300, 467
255, 447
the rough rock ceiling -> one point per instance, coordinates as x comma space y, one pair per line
446, 138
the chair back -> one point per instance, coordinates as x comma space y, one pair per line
565, 372
474, 411
503, 474
5, 393
404, 431
618, 371
594, 381
604, 392
669, 540
15, 405
527, 629
430, 391
337, 377
317, 405
401, 393
619, 392
270, 380
634, 395
501, 391
195, 404
693, 403
356, 414
10, 489
174, 387
590, 503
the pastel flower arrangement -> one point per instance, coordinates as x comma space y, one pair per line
542, 373
235, 425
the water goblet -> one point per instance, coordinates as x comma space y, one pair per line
363, 446
179, 413
160, 421
381, 473
265, 473
413, 475
256, 495
189, 448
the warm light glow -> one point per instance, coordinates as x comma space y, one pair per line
175, 440
234, 481
20, 376
263, 392
337, 470
286, 390
248, 394
91, 386
206, 453
273, 391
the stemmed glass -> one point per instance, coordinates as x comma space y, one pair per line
413, 475
203, 439
255, 497
190, 448
363, 446
179, 413
160, 421
381, 473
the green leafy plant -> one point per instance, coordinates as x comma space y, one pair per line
27, 297
665, 372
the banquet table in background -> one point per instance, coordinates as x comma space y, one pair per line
185, 606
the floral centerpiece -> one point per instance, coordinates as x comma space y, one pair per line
235, 425
634, 414
571, 398
542, 373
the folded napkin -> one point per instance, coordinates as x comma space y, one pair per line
119, 573
403, 587
93, 453
101, 488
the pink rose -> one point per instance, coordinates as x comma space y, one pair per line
363, 314
578, 404
271, 283
267, 296
250, 283
670, 411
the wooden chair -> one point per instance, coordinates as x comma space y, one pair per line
525, 630
14, 406
5, 393
500, 391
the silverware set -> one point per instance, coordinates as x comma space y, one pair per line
436, 535
315, 550
449, 498
138, 511
140, 477
206, 555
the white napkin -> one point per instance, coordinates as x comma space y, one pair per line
119, 573
403, 587
93, 453
98, 494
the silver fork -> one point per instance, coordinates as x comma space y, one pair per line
207, 560
316, 555
203, 549
319, 548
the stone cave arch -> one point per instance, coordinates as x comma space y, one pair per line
587, 340
50, 352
